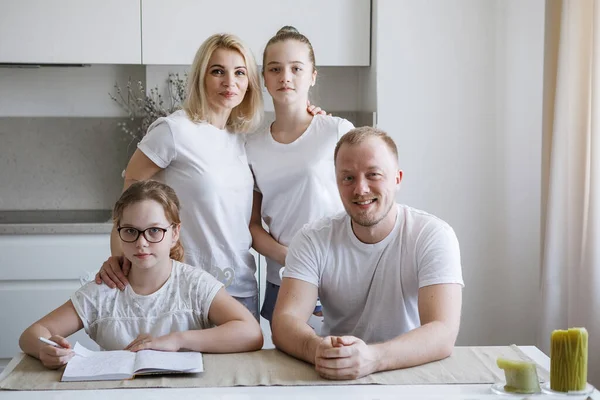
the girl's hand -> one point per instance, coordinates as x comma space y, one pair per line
53, 357
314, 110
168, 342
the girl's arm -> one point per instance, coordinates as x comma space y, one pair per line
262, 241
114, 270
236, 331
56, 326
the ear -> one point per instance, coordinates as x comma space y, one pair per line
314, 77
399, 177
175, 233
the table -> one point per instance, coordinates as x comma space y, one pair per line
350, 392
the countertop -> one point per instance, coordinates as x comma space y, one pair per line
23, 222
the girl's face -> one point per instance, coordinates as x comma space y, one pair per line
288, 72
148, 216
226, 80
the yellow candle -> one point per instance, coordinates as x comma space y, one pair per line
568, 359
521, 376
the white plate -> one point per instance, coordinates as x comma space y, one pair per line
588, 390
498, 388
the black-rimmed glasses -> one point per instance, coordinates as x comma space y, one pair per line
154, 234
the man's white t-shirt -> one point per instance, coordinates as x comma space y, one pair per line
371, 290
208, 169
114, 318
297, 180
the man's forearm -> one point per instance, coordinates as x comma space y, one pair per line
430, 342
295, 337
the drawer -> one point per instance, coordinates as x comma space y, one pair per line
52, 257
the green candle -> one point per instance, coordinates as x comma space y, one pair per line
568, 360
521, 376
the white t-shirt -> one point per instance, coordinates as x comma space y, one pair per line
208, 169
114, 318
371, 290
297, 180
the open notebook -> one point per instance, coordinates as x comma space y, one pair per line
88, 365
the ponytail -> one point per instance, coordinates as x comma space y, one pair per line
177, 252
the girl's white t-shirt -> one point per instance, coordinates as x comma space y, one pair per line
114, 318
297, 180
208, 169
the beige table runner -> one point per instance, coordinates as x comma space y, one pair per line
271, 367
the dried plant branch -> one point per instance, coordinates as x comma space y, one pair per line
148, 106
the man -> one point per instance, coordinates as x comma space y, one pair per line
388, 276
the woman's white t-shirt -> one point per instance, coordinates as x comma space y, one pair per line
208, 169
114, 318
297, 180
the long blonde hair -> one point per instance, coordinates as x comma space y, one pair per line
247, 115
159, 192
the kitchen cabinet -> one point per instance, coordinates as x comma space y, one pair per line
338, 29
38, 274
70, 31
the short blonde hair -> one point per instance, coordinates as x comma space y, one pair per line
247, 115
361, 134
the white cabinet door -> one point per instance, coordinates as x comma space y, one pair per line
338, 29
70, 31
39, 273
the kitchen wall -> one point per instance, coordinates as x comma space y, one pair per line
459, 87
59, 133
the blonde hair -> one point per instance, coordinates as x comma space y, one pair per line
289, 33
247, 115
158, 192
361, 134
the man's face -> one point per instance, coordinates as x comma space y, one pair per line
367, 177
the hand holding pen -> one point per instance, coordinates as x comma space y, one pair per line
56, 352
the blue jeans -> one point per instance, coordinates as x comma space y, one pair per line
271, 293
251, 303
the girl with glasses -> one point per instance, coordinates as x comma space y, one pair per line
167, 306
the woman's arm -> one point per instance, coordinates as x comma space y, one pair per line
114, 270
236, 331
56, 326
262, 241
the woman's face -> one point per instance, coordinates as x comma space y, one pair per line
226, 80
288, 72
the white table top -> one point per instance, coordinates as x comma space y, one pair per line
350, 392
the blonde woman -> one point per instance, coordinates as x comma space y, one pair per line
199, 152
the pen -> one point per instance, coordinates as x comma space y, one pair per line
50, 342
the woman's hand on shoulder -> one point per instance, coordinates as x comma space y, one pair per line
315, 110
114, 272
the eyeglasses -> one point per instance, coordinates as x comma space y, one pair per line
154, 234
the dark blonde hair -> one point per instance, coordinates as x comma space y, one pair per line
247, 115
359, 135
289, 33
159, 192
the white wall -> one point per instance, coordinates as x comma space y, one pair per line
459, 87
